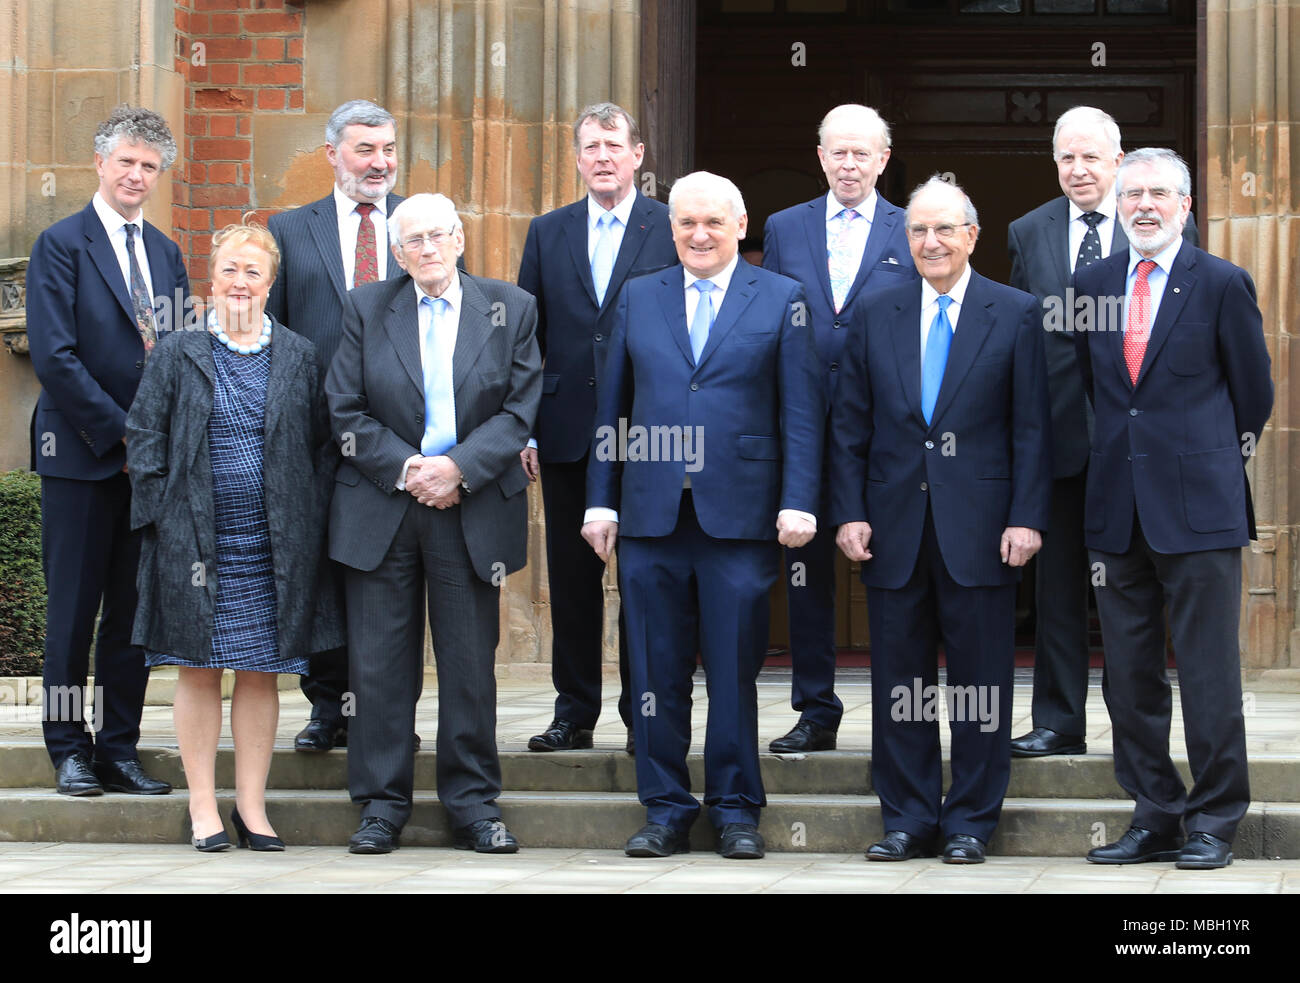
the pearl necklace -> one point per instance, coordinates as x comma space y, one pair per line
215, 327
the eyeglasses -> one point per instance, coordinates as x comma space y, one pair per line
945, 231
435, 238
1157, 194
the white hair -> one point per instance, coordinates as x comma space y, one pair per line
439, 207
1091, 119
1157, 155
854, 113
713, 185
935, 182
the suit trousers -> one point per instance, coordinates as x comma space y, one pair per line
575, 575
977, 625
1061, 642
90, 555
427, 559
1202, 592
686, 593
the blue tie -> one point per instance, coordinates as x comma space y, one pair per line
936, 357
703, 320
439, 400
602, 260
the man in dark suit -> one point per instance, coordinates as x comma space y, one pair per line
712, 348
842, 245
101, 285
433, 392
1047, 245
326, 249
1181, 394
940, 480
576, 259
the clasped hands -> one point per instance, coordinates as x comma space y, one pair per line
434, 481
1018, 543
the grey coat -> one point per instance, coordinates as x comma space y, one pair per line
172, 499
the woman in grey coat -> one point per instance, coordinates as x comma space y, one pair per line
231, 465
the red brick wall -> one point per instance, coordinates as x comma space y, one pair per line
250, 59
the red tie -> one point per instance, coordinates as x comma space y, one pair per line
1138, 328
367, 265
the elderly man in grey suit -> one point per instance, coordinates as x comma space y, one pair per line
1047, 246
433, 392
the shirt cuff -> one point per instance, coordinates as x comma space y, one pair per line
532, 442
599, 515
802, 515
401, 478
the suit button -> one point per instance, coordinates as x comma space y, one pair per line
929, 445
925, 486
836, 324
139, 365
600, 337
591, 382
694, 386
835, 366
1132, 412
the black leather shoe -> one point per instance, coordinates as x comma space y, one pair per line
898, 845
486, 836
630, 747
740, 841
963, 848
128, 776
1204, 851
804, 736
76, 777
1040, 742
654, 840
562, 735
318, 737
1137, 846
375, 835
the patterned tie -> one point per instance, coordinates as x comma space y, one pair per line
703, 320
602, 260
1138, 328
366, 269
439, 398
1090, 248
839, 257
140, 299
937, 343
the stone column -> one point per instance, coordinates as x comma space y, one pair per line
1253, 95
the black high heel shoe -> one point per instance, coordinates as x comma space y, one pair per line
258, 842
211, 844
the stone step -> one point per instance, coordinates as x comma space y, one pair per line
1273, 777
1043, 827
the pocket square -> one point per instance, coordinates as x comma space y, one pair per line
890, 260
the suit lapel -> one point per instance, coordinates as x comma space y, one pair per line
882, 228
402, 324
324, 224
1177, 289
634, 237
740, 293
814, 220
473, 331
1058, 236
973, 326
394, 270
907, 349
1115, 285
672, 298
1119, 239
159, 268
101, 251
575, 230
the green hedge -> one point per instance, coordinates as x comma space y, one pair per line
22, 581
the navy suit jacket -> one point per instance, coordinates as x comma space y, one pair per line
1174, 446
754, 395
1039, 246
794, 245
983, 463
85, 345
310, 287
572, 329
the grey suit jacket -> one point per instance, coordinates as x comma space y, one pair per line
1039, 245
375, 389
172, 498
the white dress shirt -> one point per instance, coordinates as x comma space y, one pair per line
930, 307
444, 342
859, 229
350, 224
1079, 228
115, 225
622, 211
1157, 279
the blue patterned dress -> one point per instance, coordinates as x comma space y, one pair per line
243, 627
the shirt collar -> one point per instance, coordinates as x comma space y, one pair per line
1106, 207
1164, 259
866, 207
958, 292
622, 211
111, 218
721, 280
452, 295
346, 206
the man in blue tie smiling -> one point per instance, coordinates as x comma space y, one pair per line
940, 484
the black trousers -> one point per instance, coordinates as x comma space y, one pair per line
1203, 594
574, 573
90, 556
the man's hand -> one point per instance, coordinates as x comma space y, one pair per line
532, 467
853, 538
794, 530
600, 536
1019, 544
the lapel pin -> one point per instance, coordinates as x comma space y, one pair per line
1176, 289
